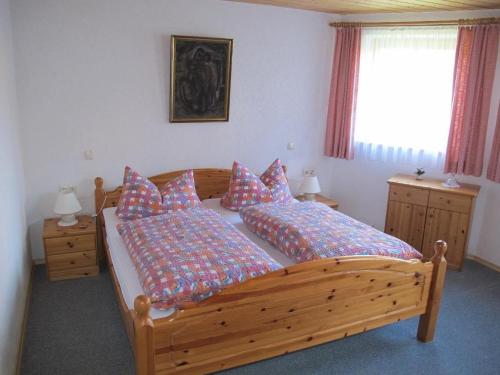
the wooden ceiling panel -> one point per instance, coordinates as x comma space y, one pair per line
379, 6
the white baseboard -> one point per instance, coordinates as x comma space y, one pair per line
484, 262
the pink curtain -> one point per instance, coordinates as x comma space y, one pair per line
493, 172
343, 89
475, 62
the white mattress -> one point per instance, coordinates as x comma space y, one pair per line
125, 270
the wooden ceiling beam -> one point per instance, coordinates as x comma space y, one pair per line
379, 6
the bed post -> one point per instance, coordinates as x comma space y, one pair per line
427, 324
143, 343
100, 197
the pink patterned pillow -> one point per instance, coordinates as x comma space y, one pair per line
140, 197
245, 189
180, 193
274, 178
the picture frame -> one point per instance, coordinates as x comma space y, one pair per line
200, 78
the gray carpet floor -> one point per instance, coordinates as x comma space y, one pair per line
74, 327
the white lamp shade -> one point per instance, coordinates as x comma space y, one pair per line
310, 185
66, 203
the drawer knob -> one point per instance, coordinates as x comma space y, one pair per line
448, 201
70, 244
71, 262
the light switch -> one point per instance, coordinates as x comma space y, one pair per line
290, 146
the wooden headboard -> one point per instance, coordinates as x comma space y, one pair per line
209, 183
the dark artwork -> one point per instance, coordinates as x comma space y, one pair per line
200, 76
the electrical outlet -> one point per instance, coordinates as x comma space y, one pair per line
309, 172
89, 155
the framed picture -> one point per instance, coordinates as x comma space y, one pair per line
200, 78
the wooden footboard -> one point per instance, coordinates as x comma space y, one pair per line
294, 308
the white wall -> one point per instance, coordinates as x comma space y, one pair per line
95, 75
360, 186
14, 258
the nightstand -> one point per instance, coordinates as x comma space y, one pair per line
321, 199
70, 252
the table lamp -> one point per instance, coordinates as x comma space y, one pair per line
310, 186
67, 206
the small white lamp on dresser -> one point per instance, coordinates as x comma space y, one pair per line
67, 206
310, 187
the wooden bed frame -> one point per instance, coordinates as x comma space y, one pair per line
296, 307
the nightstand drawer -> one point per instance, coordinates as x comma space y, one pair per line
72, 260
450, 202
409, 195
70, 244
72, 273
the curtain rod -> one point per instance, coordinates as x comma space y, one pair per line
473, 21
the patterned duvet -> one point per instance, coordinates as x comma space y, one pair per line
189, 255
309, 230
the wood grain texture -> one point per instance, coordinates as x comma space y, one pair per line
433, 184
451, 227
297, 307
378, 6
70, 252
428, 321
407, 222
422, 212
86, 225
409, 194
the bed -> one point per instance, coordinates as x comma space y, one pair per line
298, 306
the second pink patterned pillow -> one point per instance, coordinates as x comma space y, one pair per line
245, 189
274, 178
180, 193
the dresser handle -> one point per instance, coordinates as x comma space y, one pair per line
71, 262
70, 244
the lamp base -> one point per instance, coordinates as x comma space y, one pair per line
67, 221
311, 197
451, 182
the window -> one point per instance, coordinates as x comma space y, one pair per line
404, 94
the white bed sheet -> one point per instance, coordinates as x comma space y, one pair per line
124, 267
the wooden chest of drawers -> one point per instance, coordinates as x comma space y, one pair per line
420, 212
70, 252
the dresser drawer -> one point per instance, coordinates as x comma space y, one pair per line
70, 244
408, 194
72, 273
72, 260
450, 202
